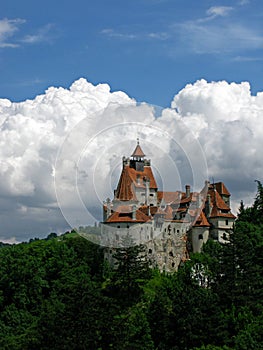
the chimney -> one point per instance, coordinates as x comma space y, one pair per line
198, 200
134, 212
208, 205
147, 189
187, 191
108, 208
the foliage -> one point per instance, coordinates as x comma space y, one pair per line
56, 293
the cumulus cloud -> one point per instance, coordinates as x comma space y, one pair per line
62, 151
230, 129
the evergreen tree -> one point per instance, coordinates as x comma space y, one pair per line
130, 272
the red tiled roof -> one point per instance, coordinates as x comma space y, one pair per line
168, 197
129, 178
186, 199
219, 207
216, 213
145, 174
217, 200
124, 190
221, 189
145, 209
123, 216
201, 220
124, 209
138, 152
168, 213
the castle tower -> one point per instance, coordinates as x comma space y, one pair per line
169, 224
137, 158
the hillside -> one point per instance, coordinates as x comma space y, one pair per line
58, 293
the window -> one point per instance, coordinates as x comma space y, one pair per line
171, 253
118, 226
200, 236
226, 222
128, 226
173, 264
150, 251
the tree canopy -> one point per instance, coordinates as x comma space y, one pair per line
59, 293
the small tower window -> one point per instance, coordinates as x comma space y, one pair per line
200, 236
150, 251
226, 221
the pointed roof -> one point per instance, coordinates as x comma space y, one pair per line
201, 220
124, 190
130, 178
138, 152
219, 207
221, 189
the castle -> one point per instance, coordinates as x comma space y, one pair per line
169, 224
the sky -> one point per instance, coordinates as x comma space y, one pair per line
80, 81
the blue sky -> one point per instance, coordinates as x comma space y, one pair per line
148, 48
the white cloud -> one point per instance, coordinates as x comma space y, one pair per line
230, 130
116, 34
7, 29
244, 2
218, 38
112, 33
219, 33
44, 34
220, 11
90, 128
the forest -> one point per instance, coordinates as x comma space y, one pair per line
59, 293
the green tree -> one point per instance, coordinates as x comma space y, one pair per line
130, 273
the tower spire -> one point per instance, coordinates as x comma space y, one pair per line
137, 159
138, 152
